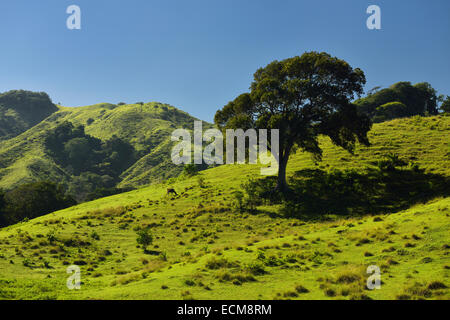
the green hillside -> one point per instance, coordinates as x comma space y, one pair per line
147, 127
206, 247
21, 110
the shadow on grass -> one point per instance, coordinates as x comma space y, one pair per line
152, 252
316, 193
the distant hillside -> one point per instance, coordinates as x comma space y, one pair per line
146, 127
21, 110
206, 247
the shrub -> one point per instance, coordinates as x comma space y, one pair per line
95, 236
436, 285
348, 277
301, 289
330, 292
51, 237
238, 200
201, 182
236, 278
190, 170
215, 263
189, 282
144, 238
256, 268
391, 162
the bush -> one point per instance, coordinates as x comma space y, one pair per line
95, 236
201, 182
256, 269
145, 238
436, 285
390, 110
301, 289
390, 162
190, 170
239, 200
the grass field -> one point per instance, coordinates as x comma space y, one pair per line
204, 248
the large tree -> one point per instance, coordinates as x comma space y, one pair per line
304, 97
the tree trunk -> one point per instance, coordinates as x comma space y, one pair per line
281, 182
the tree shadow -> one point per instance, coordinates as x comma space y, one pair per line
152, 252
316, 193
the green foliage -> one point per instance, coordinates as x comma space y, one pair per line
79, 152
3, 218
144, 238
201, 182
33, 200
256, 268
95, 236
239, 200
400, 100
20, 110
391, 162
303, 97
317, 252
445, 106
190, 170
51, 237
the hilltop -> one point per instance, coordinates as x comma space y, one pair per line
21, 110
206, 247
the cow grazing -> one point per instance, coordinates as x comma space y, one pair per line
171, 190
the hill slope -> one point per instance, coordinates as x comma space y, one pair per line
204, 248
147, 127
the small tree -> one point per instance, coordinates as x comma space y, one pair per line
145, 238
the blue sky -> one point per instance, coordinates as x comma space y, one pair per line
199, 54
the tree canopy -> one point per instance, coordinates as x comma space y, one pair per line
418, 99
32, 200
92, 162
304, 97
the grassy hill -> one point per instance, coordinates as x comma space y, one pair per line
147, 127
205, 248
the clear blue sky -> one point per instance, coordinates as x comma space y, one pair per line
198, 55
